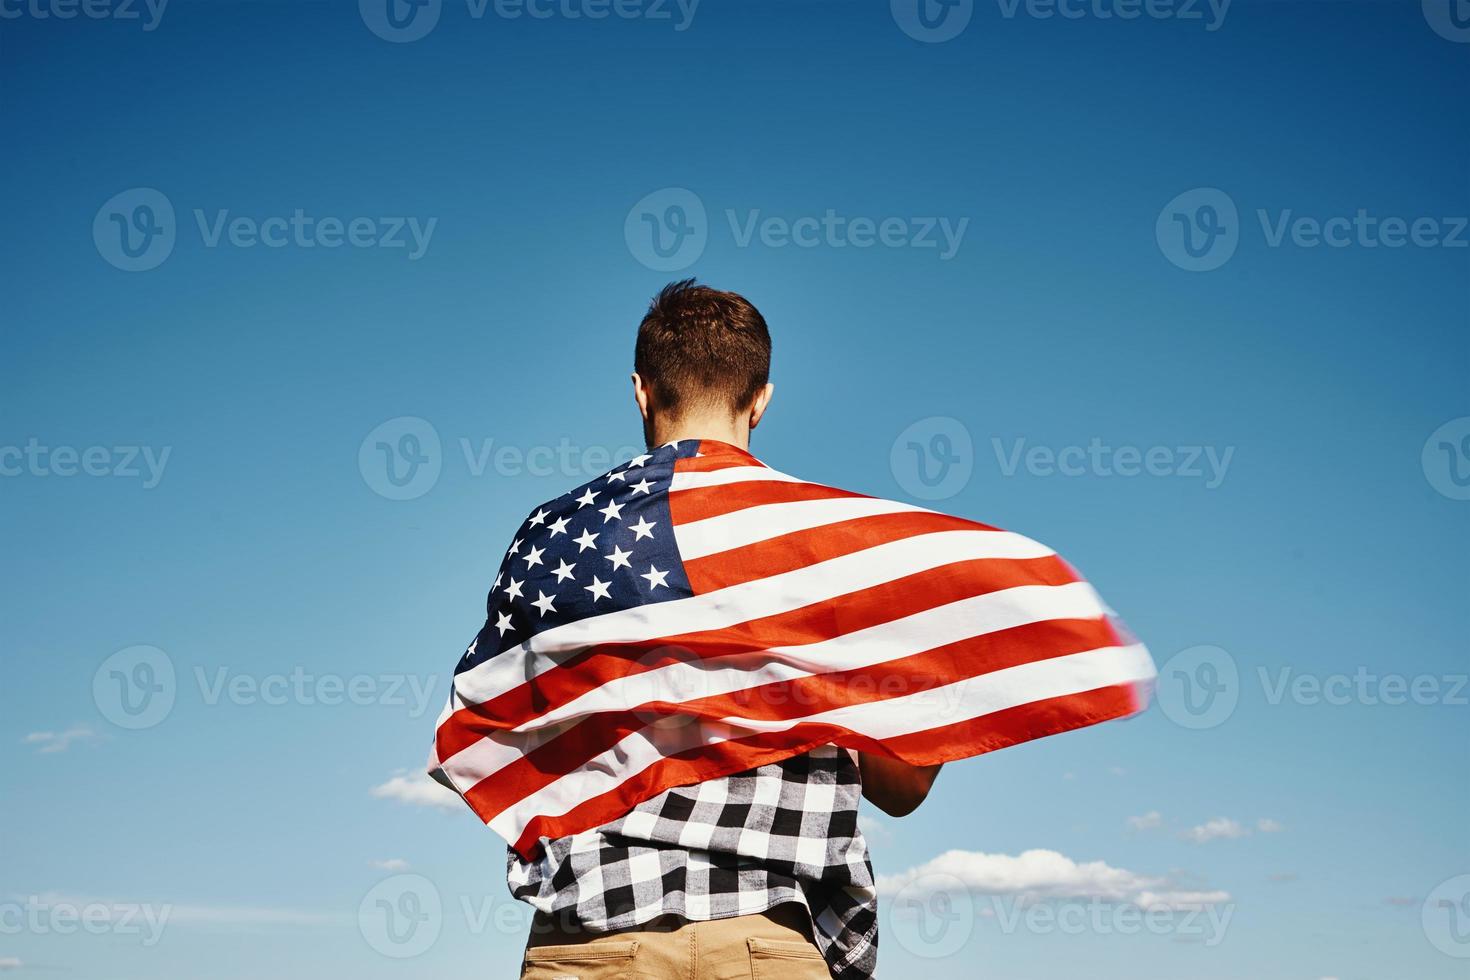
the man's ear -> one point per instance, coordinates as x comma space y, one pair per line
640, 395
762, 401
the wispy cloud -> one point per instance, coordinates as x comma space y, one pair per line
1042, 874
391, 864
1224, 828
60, 741
10, 963
418, 790
1220, 828
1152, 820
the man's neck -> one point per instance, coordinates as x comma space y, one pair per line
719, 429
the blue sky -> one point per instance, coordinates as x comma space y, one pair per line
978, 239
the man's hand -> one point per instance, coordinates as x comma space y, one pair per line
894, 787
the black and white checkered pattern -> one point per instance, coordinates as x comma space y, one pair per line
785, 832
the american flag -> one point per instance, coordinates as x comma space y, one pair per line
695, 613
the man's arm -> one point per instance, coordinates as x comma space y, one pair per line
894, 787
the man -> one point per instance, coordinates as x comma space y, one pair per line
693, 666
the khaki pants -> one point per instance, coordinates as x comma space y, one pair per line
771, 945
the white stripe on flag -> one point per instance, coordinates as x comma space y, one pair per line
689, 681
731, 474
976, 696
880, 643
737, 529
740, 603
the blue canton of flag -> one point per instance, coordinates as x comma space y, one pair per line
606, 545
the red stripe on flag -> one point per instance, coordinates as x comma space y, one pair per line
891, 600
795, 698
798, 549
698, 503
723, 458
1001, 729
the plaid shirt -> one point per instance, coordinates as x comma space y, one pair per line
785, 832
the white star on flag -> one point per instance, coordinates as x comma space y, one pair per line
544, 603
644, 528
655, 578
619, 558
598, 588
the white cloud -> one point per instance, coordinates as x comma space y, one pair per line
1152, 820
60, 741
1220, 828
1042, 874
1180, 900
417, 790
10, 963
1224, 828
391, 864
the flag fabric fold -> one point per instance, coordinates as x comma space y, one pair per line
695, 613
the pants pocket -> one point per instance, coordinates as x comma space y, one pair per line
582, 961
784, 959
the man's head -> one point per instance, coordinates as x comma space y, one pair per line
701, 365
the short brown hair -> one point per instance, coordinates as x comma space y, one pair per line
703, 347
